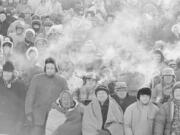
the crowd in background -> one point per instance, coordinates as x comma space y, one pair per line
82, 39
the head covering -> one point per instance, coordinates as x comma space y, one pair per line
101, 88
144, 91
7, 43
30, 31
50, 61
176, 86
8, 66
119, 85
168, 71
61, 97
34, 49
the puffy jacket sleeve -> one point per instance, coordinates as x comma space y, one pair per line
30, 96
128, 122
159, 123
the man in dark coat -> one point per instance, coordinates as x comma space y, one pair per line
12, 100
44, 89
121, 95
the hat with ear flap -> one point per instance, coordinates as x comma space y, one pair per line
50, 60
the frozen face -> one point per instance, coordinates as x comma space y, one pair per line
50, 69
7, 76
144, 99
102, 96
2, 17
66, 100
6, 50
157, 58
168, 79
121, 92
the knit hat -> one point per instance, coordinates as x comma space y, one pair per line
50, 61
144, 91
176, 86
8, 66
101, 88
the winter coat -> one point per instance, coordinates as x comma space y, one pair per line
12, 102
4, 27
124, 103
138, 120
92, 118
73, 123
164, 119
43, 91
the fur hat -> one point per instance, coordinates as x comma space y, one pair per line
7, 43
30, 31
30, 49
8, 66
101, 88
144, 91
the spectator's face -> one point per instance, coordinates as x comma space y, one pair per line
7, 76
168, 79
6, 50
157, 58
50, 69
19, 31
32, 55
177, 94
102, 96
144, 99
121, 92
2, 17
110, 19
66, 100
91, 83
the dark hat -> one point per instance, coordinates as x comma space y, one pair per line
176, 86
8, 66
7, 43
50, 61
36, 22
102, 88
144, 91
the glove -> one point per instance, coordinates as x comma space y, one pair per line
103, 132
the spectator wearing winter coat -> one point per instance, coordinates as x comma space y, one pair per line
12, 100
73, 112
18, 35
139, 116
85, 94
32, 66
7, 50
121, 95
44, 90
4, 24
163, 91
167, 119
102, 116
